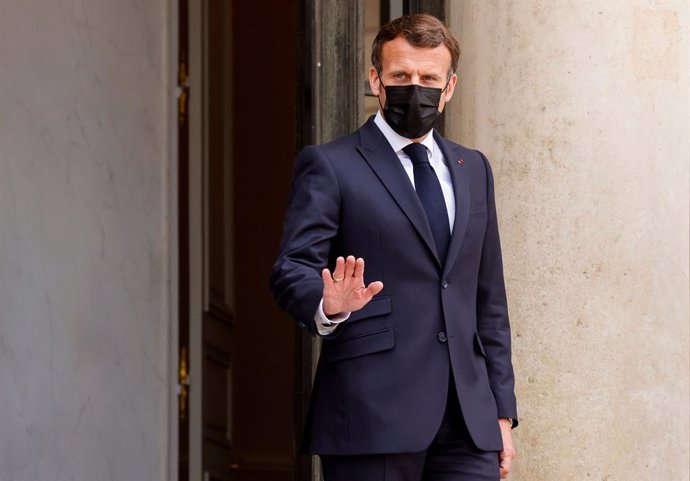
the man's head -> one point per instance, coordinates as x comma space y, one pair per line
421, 31
414, 50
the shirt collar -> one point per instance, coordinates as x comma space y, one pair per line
397, 141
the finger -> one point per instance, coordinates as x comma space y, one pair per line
327, 279
505, 465
359, 270
339, 271
349, 266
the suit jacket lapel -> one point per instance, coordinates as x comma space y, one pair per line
385, 163
461, 190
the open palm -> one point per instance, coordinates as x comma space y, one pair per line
344, 290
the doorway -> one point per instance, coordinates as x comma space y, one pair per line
258, 80
237, 145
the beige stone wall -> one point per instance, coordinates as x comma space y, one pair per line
85, 102
583, 108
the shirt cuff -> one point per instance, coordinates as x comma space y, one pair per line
326, 325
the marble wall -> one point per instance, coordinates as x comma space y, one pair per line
84, 244
583, 108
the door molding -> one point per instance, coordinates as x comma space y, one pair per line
330, 47
176, 142
195, 237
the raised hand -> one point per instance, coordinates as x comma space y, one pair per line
344, 290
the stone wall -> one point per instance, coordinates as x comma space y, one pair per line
583, 109
84, 244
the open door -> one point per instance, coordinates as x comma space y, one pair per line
237, 146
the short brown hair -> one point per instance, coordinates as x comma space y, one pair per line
420, 30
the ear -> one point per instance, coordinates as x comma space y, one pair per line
451, 87
374, 82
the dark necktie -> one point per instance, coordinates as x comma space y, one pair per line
431, 196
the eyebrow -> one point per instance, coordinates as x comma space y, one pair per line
434, 76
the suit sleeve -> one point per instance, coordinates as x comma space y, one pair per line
492, 311
311, 222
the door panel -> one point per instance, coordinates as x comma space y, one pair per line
219, 326
217, 446
241, 416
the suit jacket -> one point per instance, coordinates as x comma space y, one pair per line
382, 379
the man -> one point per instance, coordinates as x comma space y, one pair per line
415, 380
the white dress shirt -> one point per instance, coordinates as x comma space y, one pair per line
325, 325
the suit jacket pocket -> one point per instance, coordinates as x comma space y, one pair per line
378, 306
478, 346
361, 345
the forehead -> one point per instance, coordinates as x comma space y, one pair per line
399, 54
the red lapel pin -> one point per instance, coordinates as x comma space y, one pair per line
461, 161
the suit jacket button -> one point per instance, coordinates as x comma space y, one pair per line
442, 337
444, 284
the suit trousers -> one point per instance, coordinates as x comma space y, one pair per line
452, 456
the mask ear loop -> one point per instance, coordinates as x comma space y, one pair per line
378, 97
448, 82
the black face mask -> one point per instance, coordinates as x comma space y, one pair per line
412, 110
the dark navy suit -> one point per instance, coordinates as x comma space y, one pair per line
383, 376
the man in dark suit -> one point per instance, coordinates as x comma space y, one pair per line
415, 379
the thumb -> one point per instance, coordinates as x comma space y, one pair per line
374, 288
